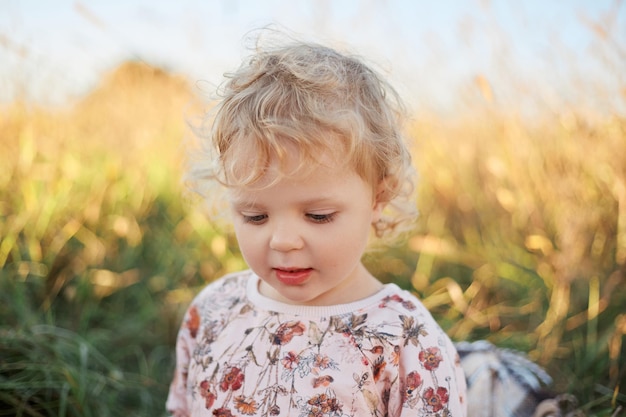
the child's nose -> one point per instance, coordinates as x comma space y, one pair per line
285, 237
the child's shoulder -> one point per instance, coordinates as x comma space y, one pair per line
396, 300
399, 307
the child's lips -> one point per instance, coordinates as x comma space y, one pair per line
292, 276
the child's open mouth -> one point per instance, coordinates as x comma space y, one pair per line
293, 276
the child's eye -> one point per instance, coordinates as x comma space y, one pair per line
321, 218
255, 219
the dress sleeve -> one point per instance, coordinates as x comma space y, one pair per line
432, 381
176, 403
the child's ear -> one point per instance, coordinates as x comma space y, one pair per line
382, 197
378, 211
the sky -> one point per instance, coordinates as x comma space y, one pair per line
52, 51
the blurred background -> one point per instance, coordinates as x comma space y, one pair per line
518, 132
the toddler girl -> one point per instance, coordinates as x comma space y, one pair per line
306, 140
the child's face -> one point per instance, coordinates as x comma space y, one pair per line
304, 236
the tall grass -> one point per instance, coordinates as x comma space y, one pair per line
99, 253
524, 242
521, 240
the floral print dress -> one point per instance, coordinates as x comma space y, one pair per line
239, 353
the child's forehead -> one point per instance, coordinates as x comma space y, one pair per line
257, 162
299, 169
291, 159
322, 184
295, 168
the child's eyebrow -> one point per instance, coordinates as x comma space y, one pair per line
318, 200
241, 204
244, 204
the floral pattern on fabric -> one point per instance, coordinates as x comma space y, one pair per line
388, 359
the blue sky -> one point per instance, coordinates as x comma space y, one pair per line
431, 50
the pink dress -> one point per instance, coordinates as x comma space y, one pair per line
239, 353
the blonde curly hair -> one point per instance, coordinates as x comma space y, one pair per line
323, 102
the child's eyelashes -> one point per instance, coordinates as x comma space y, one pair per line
321, 218
258, 219
254, 219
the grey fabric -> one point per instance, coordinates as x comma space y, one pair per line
505, 383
